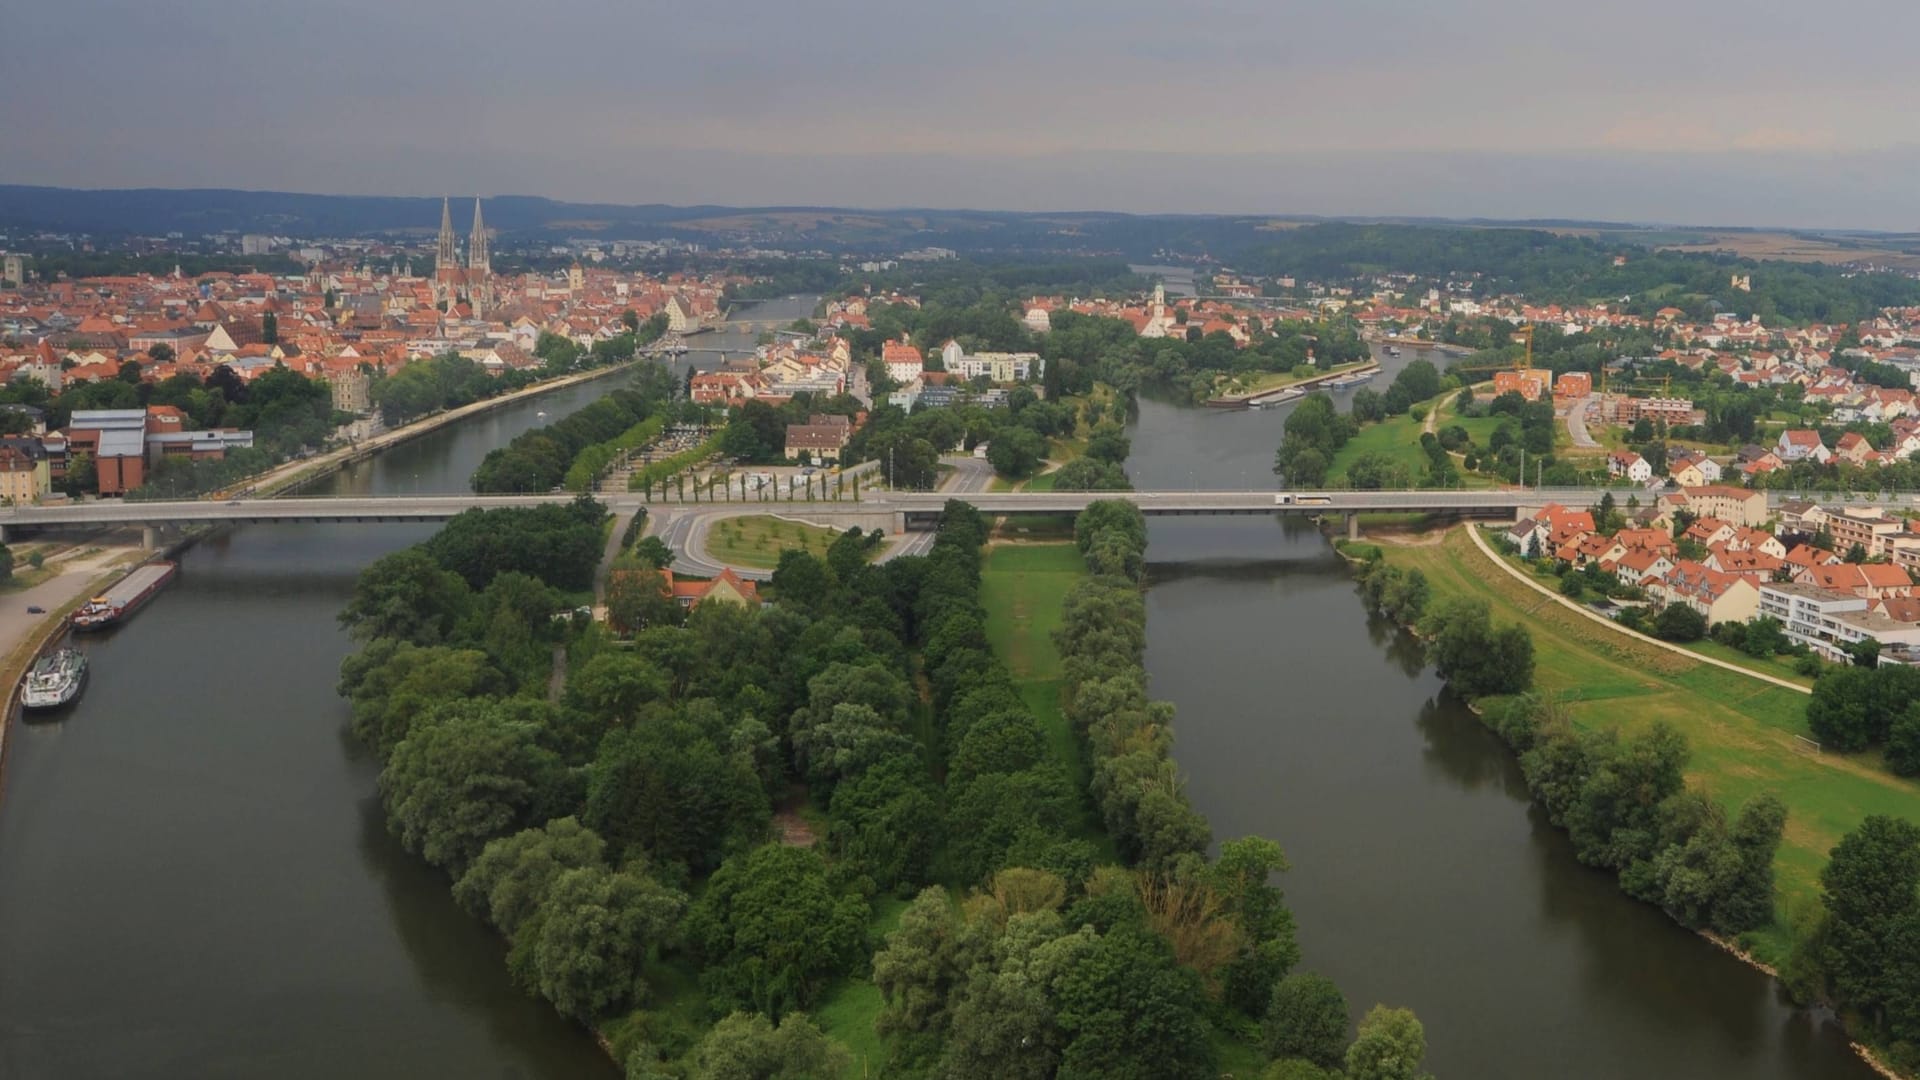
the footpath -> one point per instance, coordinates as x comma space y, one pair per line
1481, 543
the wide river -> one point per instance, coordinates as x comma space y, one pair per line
195, 879
1422, 876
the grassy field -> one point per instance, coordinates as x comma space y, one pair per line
759, 540
1023, 589
1397, 437
1742, 731
850, 1006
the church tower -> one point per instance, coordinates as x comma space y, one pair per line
479, 266
446, 261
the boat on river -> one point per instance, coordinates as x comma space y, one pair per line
127, 596
1354, 379
55, 680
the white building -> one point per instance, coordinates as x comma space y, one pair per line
998, 367
680, 316
1827, 621
1630, 465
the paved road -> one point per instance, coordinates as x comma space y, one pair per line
684, 527
970, 475
1577, 424
442, 507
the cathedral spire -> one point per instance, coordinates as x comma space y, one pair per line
477, 255
446, 258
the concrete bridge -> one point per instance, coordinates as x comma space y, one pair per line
891, 510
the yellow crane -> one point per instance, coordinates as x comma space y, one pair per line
1523, 362
1643, 383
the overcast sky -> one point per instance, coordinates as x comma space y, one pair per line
1781, 112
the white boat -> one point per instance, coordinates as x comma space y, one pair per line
56, 680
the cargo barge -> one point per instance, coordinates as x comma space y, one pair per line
127, 596
55, 680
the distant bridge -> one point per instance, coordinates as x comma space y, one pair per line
904, 509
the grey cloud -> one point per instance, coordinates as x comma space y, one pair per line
1763, 111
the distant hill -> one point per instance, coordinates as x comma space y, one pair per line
157, 211
1258, 240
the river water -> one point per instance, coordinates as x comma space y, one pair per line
1422, 876
195, 879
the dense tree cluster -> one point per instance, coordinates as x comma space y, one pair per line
1624, 803
539, 460
1476, 658
1854, 708
1548, 267
1315, 432
1007, 800
618, 833
909, 447
1083, 349
1102, 639
576, 823
447, 381
1400, 595
1861, 952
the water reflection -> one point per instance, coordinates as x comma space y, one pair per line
1423, 876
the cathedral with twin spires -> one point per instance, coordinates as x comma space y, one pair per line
454, 283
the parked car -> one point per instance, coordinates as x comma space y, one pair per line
36, 609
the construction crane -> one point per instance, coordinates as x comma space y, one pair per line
1523, 362
1643, 383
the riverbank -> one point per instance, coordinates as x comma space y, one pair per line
22, 641
293, 474
1273, 384
1742, 730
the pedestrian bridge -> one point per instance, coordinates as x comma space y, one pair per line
906, 509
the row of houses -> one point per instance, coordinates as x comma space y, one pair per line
1747, 571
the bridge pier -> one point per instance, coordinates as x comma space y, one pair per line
149, 537
1353, 525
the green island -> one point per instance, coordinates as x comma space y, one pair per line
910, 819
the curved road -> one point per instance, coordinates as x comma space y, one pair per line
686, 532
1577, 424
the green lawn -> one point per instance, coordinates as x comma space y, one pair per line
852, 1004
1742, 731
1397, 437
1024, 587
1780, 667
759, 540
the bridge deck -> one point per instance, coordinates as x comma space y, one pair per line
442, 507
